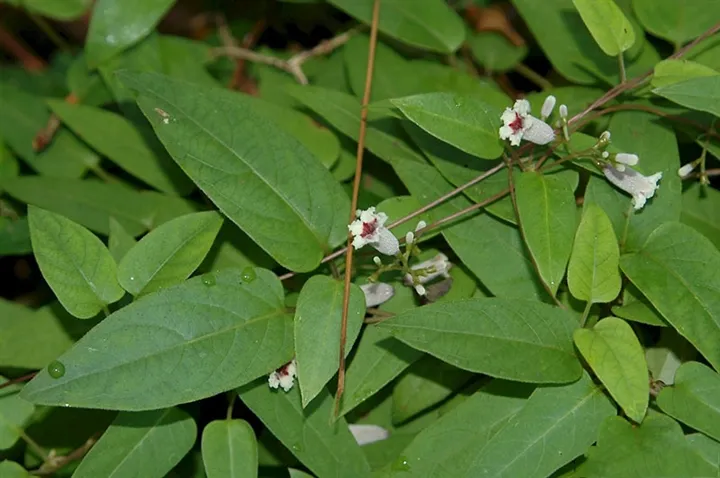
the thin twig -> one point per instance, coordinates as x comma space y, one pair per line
533, 76
54, 464
226, 37
45, 136
17, 49
22, 379
354, 200
294, 64
619, 89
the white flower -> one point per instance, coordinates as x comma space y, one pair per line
547, 107
519, 124
409, 237
640, 187
563, 111
605, 136
439, 264
420, 289
377, 293
605, 155
366, 434
686, 169
628, 159
420, 225
284, 376
370, 229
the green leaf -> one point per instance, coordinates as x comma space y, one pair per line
693, 399
701, 210
706, 447
495, 337
655, 448
400, 206
687, 295
564, 38
22, 116
92, 203
119, 242
140, 444
427, 24
465, 122
677, 22
441, 448
229, 449
75, 263
117, 24
10, 469
116, 138
326, 448
546, 208
14, 237
191, 341
564, 419
377, 360
65, 10
300, 192
14, 412
428, 382
168, 254
32, 338
701, 94
87, 85
612, 31
668, 72
656, 144
637, 308
317, 331
666, 356
495, 52
615, 355
593, 271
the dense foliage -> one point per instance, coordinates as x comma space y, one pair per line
530, 286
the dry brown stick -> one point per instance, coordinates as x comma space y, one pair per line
56, 463
354, 200
45, 136
24, 378
17, 49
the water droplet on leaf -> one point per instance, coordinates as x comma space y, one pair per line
208, 280
56, 369
401, 464
248, 274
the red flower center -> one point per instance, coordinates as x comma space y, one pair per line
283, 371
369, 228
517, 124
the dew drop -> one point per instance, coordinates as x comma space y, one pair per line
208, 280
248, 275
401, 464
56, 369
132, 278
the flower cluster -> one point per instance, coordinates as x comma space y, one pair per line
427, 271
284, 376
519, 124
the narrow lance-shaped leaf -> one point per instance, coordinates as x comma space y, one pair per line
608, 25
593, 271
168, 254
465, 122
317, 331
615, 355
120, 141
229, 162
188, 341
229, 449
140, 444
117, 24
428, 24
687, 295
694, 398
546, 208
519, 340
75, 263
327, 448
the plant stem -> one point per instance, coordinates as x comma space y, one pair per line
354, 199
231, 404
39, 451
621, 66
533, 76
48, 30
586, 313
